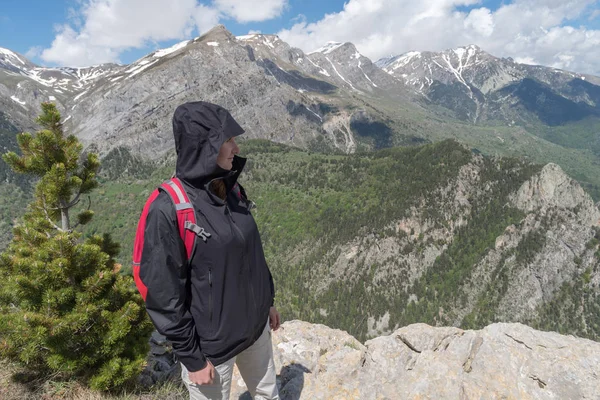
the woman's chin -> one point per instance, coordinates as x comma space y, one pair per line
226, 167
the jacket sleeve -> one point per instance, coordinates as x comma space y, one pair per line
272, 288
164, 271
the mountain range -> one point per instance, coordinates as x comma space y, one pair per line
381, 199
331, 99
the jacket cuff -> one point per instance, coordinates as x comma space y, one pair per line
194, 362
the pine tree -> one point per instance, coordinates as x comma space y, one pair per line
64, 307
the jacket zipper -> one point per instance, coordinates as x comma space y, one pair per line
210, 306
239, 231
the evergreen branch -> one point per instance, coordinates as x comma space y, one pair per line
88, 209
75, 201
48, 216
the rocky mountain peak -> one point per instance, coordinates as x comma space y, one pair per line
327, 48
464, 57
552, 187
267, 42
332, 48
14, 62
217, 34
478, 86
392, 63
473, 48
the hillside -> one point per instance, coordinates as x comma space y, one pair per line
436, 234
361, 234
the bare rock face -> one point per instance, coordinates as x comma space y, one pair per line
501, 361
553, 188
564, 217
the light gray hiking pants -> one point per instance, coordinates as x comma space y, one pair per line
256, 367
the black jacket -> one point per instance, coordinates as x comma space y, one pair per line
218, 304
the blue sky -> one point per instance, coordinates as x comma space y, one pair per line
18, 33
84, 32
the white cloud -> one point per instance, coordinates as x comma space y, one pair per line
481, 21
526, 60
251, 10
533, 30
113, 26
34, 52
100, 30
206, 17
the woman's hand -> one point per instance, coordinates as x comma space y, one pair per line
274, 319
203, 377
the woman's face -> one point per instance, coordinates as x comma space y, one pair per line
226, 153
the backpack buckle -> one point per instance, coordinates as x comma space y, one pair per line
200, 232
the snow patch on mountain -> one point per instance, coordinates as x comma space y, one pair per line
400, 61
365, 74
322, 71
318, 116
328, 48
9, 55
36, 75
336, 71
62, 79
267, 40
247, 37
142, 65
80, 95
172, 49
16, 99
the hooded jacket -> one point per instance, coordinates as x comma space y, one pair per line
217, 304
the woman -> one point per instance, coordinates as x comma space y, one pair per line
216, 308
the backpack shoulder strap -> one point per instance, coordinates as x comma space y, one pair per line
138, 245
186, 222
185, 212
186, 216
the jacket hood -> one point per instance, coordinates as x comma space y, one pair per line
199, 129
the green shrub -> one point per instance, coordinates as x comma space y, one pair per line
64, 308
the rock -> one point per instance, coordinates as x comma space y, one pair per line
552, 187
501, 361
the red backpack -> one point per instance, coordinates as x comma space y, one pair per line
186, 221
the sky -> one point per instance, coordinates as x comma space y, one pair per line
558, 33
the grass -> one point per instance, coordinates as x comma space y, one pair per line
17, 384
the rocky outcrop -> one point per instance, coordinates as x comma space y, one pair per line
553, 188
533, 259
501, 361
564, 217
